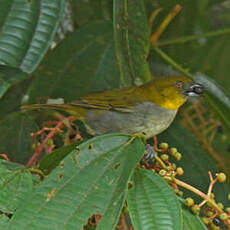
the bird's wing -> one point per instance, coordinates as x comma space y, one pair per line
121, 100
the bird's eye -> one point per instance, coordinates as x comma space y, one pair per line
179, 84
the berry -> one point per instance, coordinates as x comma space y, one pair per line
178, 156
220, 205
164, 145
205, 220
195, 209
173, 151
179, 171
221, 177
209, 213
164, 157
189, 202
223, 216
162, 172
180, 193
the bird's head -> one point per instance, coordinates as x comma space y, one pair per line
172, 92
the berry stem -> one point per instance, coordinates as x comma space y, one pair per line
51, 134
201, 194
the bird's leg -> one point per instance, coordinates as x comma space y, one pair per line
149, 154
140, 135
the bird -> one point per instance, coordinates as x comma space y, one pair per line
149, 108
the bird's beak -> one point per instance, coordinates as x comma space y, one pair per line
193, 89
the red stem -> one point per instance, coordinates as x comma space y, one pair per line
40, 147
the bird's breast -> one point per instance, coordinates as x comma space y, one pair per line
145, 117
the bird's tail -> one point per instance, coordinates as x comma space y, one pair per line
71, 109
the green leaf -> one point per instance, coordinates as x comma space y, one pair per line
131, 35
84, 62
15, 184
11, 100
16, 140
91, 180
192, 221
152, 203
26, 36
217, 98
4, 221
52, 160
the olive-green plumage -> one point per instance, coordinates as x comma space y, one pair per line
149, 108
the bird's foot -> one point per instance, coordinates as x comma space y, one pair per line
150, 153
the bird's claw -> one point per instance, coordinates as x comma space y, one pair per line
150, 154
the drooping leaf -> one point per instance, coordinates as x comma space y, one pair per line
152, 203
91, 180
53, 159
12, 98
8, 77
27, 30
131, 36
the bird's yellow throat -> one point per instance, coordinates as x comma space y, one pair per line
163, 92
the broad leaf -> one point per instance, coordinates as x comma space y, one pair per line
27, 30
52, 160
91, 180
15, 184
152, 203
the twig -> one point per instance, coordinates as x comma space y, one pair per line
153, 16
194, 37
123, 222
201, 194
165, 23
4, 156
